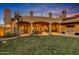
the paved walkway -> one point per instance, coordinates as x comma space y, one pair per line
3, 39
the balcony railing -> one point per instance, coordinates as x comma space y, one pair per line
37, 13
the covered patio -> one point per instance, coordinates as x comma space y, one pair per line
56, 27
38, 28
41, 28
24, 28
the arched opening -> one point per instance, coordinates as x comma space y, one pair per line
40, 27
24, 27
55, 27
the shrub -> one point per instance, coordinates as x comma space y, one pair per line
10, 34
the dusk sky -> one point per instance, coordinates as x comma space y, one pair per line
72, 8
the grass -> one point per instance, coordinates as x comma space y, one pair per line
41, 45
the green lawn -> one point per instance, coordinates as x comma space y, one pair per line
41, 45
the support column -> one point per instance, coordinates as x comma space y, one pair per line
12, 28
49, 28
31, 32
18, 30
60, 28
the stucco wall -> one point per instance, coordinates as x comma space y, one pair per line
45, 19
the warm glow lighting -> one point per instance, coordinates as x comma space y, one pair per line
1, 32
7, 25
